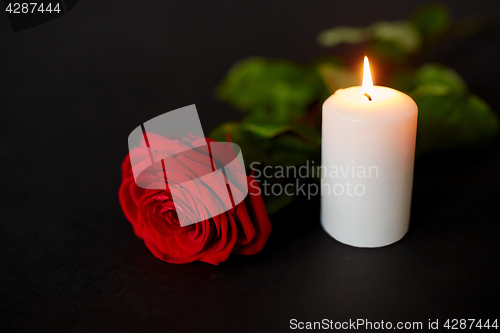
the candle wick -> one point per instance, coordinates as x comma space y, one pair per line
368, 96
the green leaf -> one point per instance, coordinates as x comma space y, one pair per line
403, 80
388, 51
269, 130
275, 203
338, 35
448, 115
438, 80
252, 147
337, 77
308, 133
400, 33
280, 90
289, 150
451, 121
265, 130
431, 20
220, 132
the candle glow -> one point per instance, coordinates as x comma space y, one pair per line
367, 86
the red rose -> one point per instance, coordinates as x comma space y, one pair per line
243, 229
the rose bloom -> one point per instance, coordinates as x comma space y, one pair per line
243, 229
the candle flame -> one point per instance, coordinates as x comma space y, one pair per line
367, 86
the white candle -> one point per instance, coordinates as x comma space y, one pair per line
368, 151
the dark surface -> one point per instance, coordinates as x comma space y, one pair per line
74, 88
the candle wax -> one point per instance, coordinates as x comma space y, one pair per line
368, 149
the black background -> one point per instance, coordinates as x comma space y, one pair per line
72, 90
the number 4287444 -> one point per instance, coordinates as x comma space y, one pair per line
455, 324
32, 7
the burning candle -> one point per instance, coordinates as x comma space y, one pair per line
368, 151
